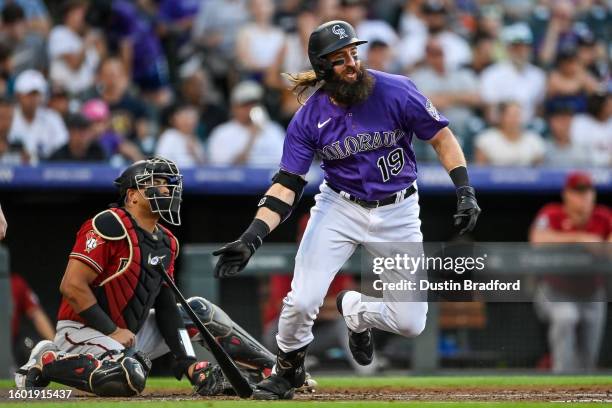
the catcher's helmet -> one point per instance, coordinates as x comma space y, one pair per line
327, 38
141, 174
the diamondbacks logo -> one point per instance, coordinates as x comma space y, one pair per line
339, 31
92, 240
431, 109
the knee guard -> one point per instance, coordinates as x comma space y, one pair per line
122, 377
248, 353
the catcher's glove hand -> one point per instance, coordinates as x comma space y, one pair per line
234, 257
467, 209
207, 379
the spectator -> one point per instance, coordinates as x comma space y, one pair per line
355, 13
591, 56
179, 141
326, 10
379, 57
59, 100
250, 138
516, 79
570, 81
560, 33
81, 145
132, 35
292, 58
36, 14
129, 115
74, 57
453, 91
483, 47
560, 151
25, 304
435, 14
195, 88
214, 30
28, 48
259, 42
573, 306
10, 153
593, 129
509, 144
176, 19
115, 146
40, 129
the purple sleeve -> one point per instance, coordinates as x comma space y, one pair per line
420, 114
298, 149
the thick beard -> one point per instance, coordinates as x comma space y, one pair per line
350, 93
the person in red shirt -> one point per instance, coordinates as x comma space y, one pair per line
116, 312
575, 326
25, 304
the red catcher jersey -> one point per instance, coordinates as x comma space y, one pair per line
106, 258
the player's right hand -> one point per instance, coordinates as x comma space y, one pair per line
233, 258
123, 336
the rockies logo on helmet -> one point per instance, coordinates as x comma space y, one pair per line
339, 31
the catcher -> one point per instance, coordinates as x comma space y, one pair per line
117, 314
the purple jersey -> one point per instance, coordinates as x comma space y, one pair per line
366, 149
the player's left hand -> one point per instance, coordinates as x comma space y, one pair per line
233, 258
207, 379
467, 209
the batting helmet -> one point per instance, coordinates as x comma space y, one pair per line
327, 38
141, 175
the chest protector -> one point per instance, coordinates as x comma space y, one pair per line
128, 294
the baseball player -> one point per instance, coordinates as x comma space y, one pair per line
361, 123
116, 313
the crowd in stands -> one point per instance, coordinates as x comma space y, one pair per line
523, 82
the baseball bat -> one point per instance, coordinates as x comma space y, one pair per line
228, 367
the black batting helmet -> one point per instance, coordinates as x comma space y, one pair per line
327, 38
141, 175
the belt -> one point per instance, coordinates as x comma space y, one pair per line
392, 199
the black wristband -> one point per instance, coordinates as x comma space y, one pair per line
459, 176
96, 318
254, 235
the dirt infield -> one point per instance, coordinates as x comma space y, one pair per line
594, 393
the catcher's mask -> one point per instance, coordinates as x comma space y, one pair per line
328, 38
142, 174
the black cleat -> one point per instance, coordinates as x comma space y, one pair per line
274, 387
360, 344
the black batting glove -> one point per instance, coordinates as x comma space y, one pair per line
236, 255
234, 258
467, 209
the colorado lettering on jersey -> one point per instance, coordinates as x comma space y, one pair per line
362, 142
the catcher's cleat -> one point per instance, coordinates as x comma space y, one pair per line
309, 386
30, 374
360, 344
274, 387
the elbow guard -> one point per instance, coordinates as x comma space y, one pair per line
291, 181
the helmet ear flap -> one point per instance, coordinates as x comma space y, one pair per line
325, 68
